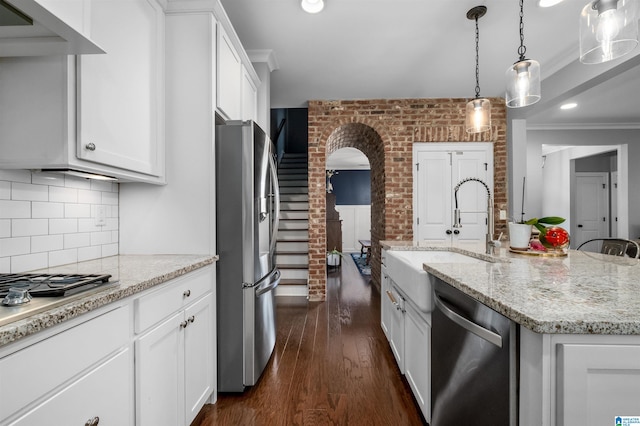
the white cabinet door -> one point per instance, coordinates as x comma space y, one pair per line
249, 97
229, 78
199, 356
385, 303
597, 383
102, 396
396, 325
120, 94
417, 358
438, 169
159, 374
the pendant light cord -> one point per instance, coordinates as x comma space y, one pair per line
522, 49
477, 59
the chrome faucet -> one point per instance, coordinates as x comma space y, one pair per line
490, 242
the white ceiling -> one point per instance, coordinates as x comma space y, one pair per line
373, 49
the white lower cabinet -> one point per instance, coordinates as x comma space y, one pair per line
81, 375
417, 358
597, 383
175, 357
396, 325
385, 303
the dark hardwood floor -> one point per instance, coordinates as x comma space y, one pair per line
332, 366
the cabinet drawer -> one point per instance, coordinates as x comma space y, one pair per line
159, 304
40, 368
104, 393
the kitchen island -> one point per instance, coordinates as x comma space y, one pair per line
146, 339
579, 327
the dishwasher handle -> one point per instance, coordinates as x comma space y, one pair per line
470, 326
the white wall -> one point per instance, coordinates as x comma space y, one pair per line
50, 219
356, 225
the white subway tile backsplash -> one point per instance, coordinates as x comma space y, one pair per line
49, 219
29, 192
49, 179
46, 243
63, 257
88, 253
14, 209
23, 176
5, 190
47, 210
63, 226
15, 246
29, 262
63, 194
5, 228
77, 240
110, 198
28, 227
77, 210
89, 197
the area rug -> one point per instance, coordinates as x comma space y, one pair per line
361, 263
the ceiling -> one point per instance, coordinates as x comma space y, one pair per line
376, 49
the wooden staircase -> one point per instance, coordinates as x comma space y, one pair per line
292, 245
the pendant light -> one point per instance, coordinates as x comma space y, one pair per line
478, 116
312, 6
608, 30
523, 77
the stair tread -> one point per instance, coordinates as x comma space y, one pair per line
293, 281
292, 252
293, 240
293, 266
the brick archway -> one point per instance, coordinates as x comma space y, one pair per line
367, 140
385, 130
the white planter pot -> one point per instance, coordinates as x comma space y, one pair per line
333, 259
519, 236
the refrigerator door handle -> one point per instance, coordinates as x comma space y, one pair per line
276, 202
269, 283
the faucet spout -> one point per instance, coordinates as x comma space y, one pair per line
490, 243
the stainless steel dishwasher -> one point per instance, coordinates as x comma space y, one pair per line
474, 365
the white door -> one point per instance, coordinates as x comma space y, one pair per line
438, 169
592, 208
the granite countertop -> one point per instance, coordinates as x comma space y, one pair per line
582, 293
134, 273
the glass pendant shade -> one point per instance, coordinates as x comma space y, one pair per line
608, 30
478, 118
523, 83
312, 6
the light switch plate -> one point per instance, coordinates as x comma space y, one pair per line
101, 216
503, 215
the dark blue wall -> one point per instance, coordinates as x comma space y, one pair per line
352, 187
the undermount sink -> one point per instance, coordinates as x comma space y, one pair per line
406, 271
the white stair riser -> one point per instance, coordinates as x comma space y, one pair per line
294, 224
294, 205
293, 190
288, 198
293, 259
292, 246
293, 234
294, 273
304, 214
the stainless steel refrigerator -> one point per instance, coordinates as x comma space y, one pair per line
247, 207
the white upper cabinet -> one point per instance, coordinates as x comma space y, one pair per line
45, 27
102, 114
237, 81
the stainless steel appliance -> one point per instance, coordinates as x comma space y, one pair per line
248, 207
474, 365
26, 294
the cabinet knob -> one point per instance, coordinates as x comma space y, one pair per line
191, 318
184, 324
93, 422
187, 293
456, 232
90, 146
448, 231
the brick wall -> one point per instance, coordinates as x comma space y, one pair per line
385, 130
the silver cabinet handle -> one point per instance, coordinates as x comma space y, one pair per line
394, 301
187, 293
184, 324
90, 146
471, 327
191, 318
93, 422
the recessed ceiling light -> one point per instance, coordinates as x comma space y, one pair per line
548, 3
312, 6
570, 105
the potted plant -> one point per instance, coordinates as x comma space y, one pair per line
333, 257
520, 232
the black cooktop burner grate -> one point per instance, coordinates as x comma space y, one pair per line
51, 285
